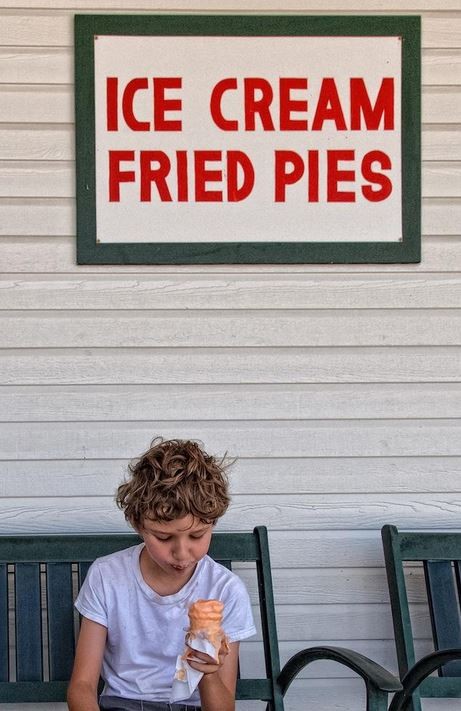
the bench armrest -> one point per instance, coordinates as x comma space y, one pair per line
419, 672
373, 674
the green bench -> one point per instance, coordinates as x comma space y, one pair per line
39, 578
440, 555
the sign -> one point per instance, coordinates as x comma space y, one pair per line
243, 139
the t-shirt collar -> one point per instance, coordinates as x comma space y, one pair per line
185, 591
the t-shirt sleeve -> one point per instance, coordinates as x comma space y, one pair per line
238, 623
90, 601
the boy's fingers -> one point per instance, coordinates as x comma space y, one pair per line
205, 668
201, 657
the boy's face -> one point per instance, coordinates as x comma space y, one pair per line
175, 547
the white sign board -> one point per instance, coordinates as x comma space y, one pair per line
231, 139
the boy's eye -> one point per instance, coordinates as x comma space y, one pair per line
167, 538
198, 535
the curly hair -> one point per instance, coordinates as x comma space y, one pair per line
173, 479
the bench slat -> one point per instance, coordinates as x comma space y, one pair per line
433, 546
457, 564
83, 569
3, 627
226, 563
28, 622
247, 689
32, 692
234, 546
61, 644
268, 623
258, 689
444, 609
61, 548
440, 688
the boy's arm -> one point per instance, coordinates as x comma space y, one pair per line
217, 686
82, 694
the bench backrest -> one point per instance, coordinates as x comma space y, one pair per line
440, 554
39, 580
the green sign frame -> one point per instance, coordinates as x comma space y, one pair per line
90, 251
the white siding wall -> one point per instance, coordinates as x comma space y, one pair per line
338, 387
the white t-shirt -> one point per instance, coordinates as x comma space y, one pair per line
145, 631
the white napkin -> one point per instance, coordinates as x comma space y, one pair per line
186, 679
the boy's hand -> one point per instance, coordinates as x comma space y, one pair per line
203, 662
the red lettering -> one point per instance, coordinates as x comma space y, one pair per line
313, 172
112, 103
328, 107
287, 104
183, 185
335, 175
361, 105
383, 181
157, 175
221, 87
117, 176
163, 104
131, 88
284, 176
204, 175
168, 177
236, 160
258, 106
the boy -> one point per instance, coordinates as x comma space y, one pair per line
134, 602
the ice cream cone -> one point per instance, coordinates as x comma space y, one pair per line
205, 617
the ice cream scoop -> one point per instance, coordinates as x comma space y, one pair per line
205, 618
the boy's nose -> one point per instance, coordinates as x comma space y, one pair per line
180, 550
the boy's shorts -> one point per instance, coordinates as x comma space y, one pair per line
115, 703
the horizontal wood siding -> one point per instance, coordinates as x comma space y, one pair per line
337, 387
